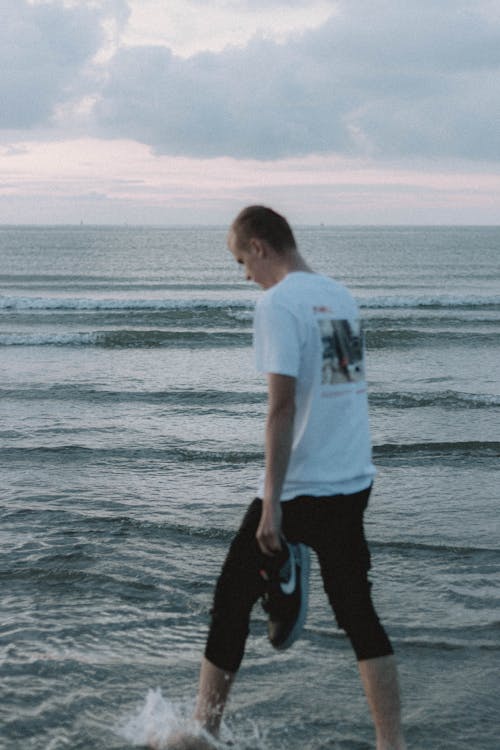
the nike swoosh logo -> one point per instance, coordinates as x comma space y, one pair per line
289, 586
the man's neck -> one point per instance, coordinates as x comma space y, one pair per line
295, 262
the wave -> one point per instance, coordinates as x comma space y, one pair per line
229, 335
146, 456
440, 549
436, 644
187, 397
56, 570
114, 525
441, 399
120, 303
430, 301
83, 303
33, 509
445, 452
134, 338
410, 337
184, 398
438, 639
86, 284
48, 339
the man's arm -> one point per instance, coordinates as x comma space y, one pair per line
279, 436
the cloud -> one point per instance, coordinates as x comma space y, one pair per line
383, 80
392, 78
190, 26
44, 48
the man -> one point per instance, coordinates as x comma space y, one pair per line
316, 483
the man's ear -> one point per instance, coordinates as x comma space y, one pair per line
259, 246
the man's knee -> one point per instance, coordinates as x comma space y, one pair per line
226, 641
356, 615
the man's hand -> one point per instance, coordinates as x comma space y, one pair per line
279, 436
269, 531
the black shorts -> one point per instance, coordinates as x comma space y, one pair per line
333, 528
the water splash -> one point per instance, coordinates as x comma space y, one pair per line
156, 721
159, 720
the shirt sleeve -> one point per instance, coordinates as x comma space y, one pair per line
276, 339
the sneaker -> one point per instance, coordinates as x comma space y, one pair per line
285, 599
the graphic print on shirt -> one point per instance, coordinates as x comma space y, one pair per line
342, 344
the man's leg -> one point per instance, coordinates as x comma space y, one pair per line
380, 681
213, 690
345, 561
376, 663
238, 587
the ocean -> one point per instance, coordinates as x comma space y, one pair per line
131, 438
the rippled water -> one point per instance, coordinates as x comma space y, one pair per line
131, 442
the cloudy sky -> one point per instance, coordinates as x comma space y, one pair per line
182, 111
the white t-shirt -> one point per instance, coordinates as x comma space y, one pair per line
307, 326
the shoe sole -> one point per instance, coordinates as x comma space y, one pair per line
304, 600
